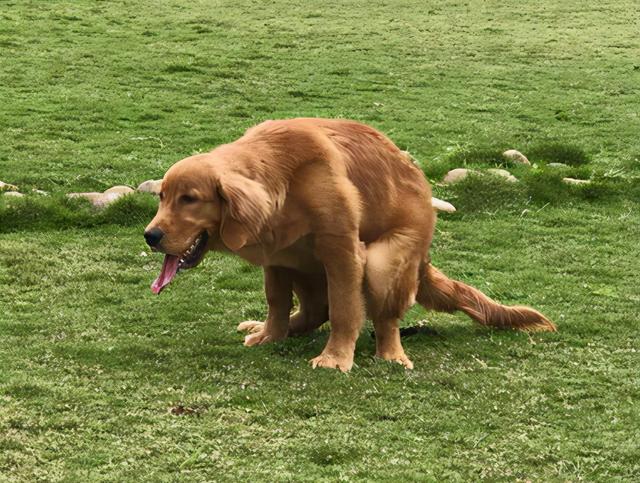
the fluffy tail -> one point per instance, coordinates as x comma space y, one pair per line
438, 292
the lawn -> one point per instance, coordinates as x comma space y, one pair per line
102, 380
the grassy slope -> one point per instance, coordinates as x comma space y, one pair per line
96, 94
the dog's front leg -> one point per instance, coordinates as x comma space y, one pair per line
278, 285
344, 266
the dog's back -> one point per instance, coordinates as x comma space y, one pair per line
392, 189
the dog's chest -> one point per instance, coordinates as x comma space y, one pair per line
298, 256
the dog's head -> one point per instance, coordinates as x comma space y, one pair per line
204, 199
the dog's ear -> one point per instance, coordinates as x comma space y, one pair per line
247, 207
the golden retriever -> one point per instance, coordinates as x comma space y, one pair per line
334, 212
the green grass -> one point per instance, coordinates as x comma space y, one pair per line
102, 93
101, 380
91, 363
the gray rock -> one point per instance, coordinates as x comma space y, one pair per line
13, 193
90, 196
440, 205
40, 192
576, 181
151, 186
107, 198
456, 175
7, 187
504, 174
515, 156
99, 200
557, 165
119, 189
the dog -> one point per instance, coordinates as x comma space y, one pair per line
334, 212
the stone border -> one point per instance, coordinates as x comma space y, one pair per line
99, 200
153, 186
458, 174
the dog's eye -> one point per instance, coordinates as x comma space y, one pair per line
186, 199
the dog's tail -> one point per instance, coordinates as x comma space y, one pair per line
438, 292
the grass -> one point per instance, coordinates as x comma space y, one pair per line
37, 213
92, 362
101, 380
108, 93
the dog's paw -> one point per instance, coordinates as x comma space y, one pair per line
256, 338
399, 358
332, 362
262, 337
250, 326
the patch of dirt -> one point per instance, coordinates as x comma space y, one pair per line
180, 410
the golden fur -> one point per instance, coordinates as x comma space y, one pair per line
336, 214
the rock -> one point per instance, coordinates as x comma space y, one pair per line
40, 192
107, 199
504, 174
440, 205
119, 189
456, 175
576, 181
7, 187
515, 156
13, 193
90, 196
99, 200
557, 165
151, 186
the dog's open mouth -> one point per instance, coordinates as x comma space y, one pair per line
173, 263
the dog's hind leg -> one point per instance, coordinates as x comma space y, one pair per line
278, 284
391, 286
388, 345
313, 309
311, 290
250, 326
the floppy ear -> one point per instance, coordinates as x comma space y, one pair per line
247, 209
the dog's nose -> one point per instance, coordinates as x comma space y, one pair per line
153, 236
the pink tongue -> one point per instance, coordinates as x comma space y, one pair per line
169, 270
